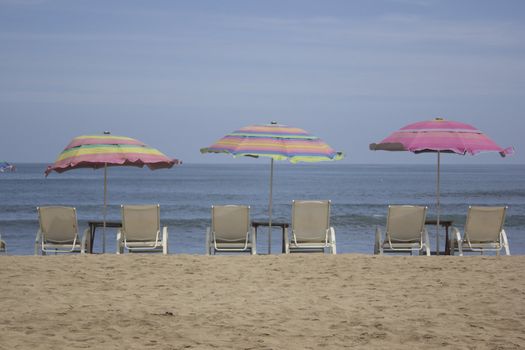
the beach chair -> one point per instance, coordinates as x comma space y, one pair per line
405, 231
310, 229
58, 232
3, 246
483, 232
231, 230
140, 231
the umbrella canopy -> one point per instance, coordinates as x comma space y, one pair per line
278, 142
440, 136
101, 151
98, 151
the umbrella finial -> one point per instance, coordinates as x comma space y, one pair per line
439, 119
107, 132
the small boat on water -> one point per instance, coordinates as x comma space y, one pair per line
6, 167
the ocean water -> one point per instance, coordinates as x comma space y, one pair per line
359, 194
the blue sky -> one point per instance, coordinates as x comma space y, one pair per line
179, 75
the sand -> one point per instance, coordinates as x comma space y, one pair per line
261, 302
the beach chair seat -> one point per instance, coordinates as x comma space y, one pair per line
231, 230
310, 228
483, 232
141, 230
58, 231
405, 231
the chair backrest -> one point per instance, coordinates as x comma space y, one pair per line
58, 224
140, 222
310, 220
405, 223
484, 224
230, 223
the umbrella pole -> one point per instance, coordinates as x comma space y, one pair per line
105, 208
270, 209
438, 206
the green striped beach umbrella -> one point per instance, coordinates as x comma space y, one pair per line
103, 151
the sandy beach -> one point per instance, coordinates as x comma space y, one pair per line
261, 302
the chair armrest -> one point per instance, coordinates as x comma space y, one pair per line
165, 240
37, 240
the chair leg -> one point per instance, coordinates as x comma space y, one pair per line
451, 245
37, 242
505, 242
427, 242
120, 248
378, 249
456, 240
208, 242
286, 242
85, 240
254, 242
165, 240
377, 237
333, 245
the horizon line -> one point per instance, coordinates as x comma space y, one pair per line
304, 163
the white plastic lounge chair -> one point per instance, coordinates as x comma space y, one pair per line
483, 232
58, 232
311, 230
140, 232
230, 230
405, 231
3, 246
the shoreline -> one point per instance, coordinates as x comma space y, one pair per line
261, 302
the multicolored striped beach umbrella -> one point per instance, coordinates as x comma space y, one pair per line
103, 151
440, 136
278, 142
98, 151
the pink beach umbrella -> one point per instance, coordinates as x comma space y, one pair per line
440, 136
103, 151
